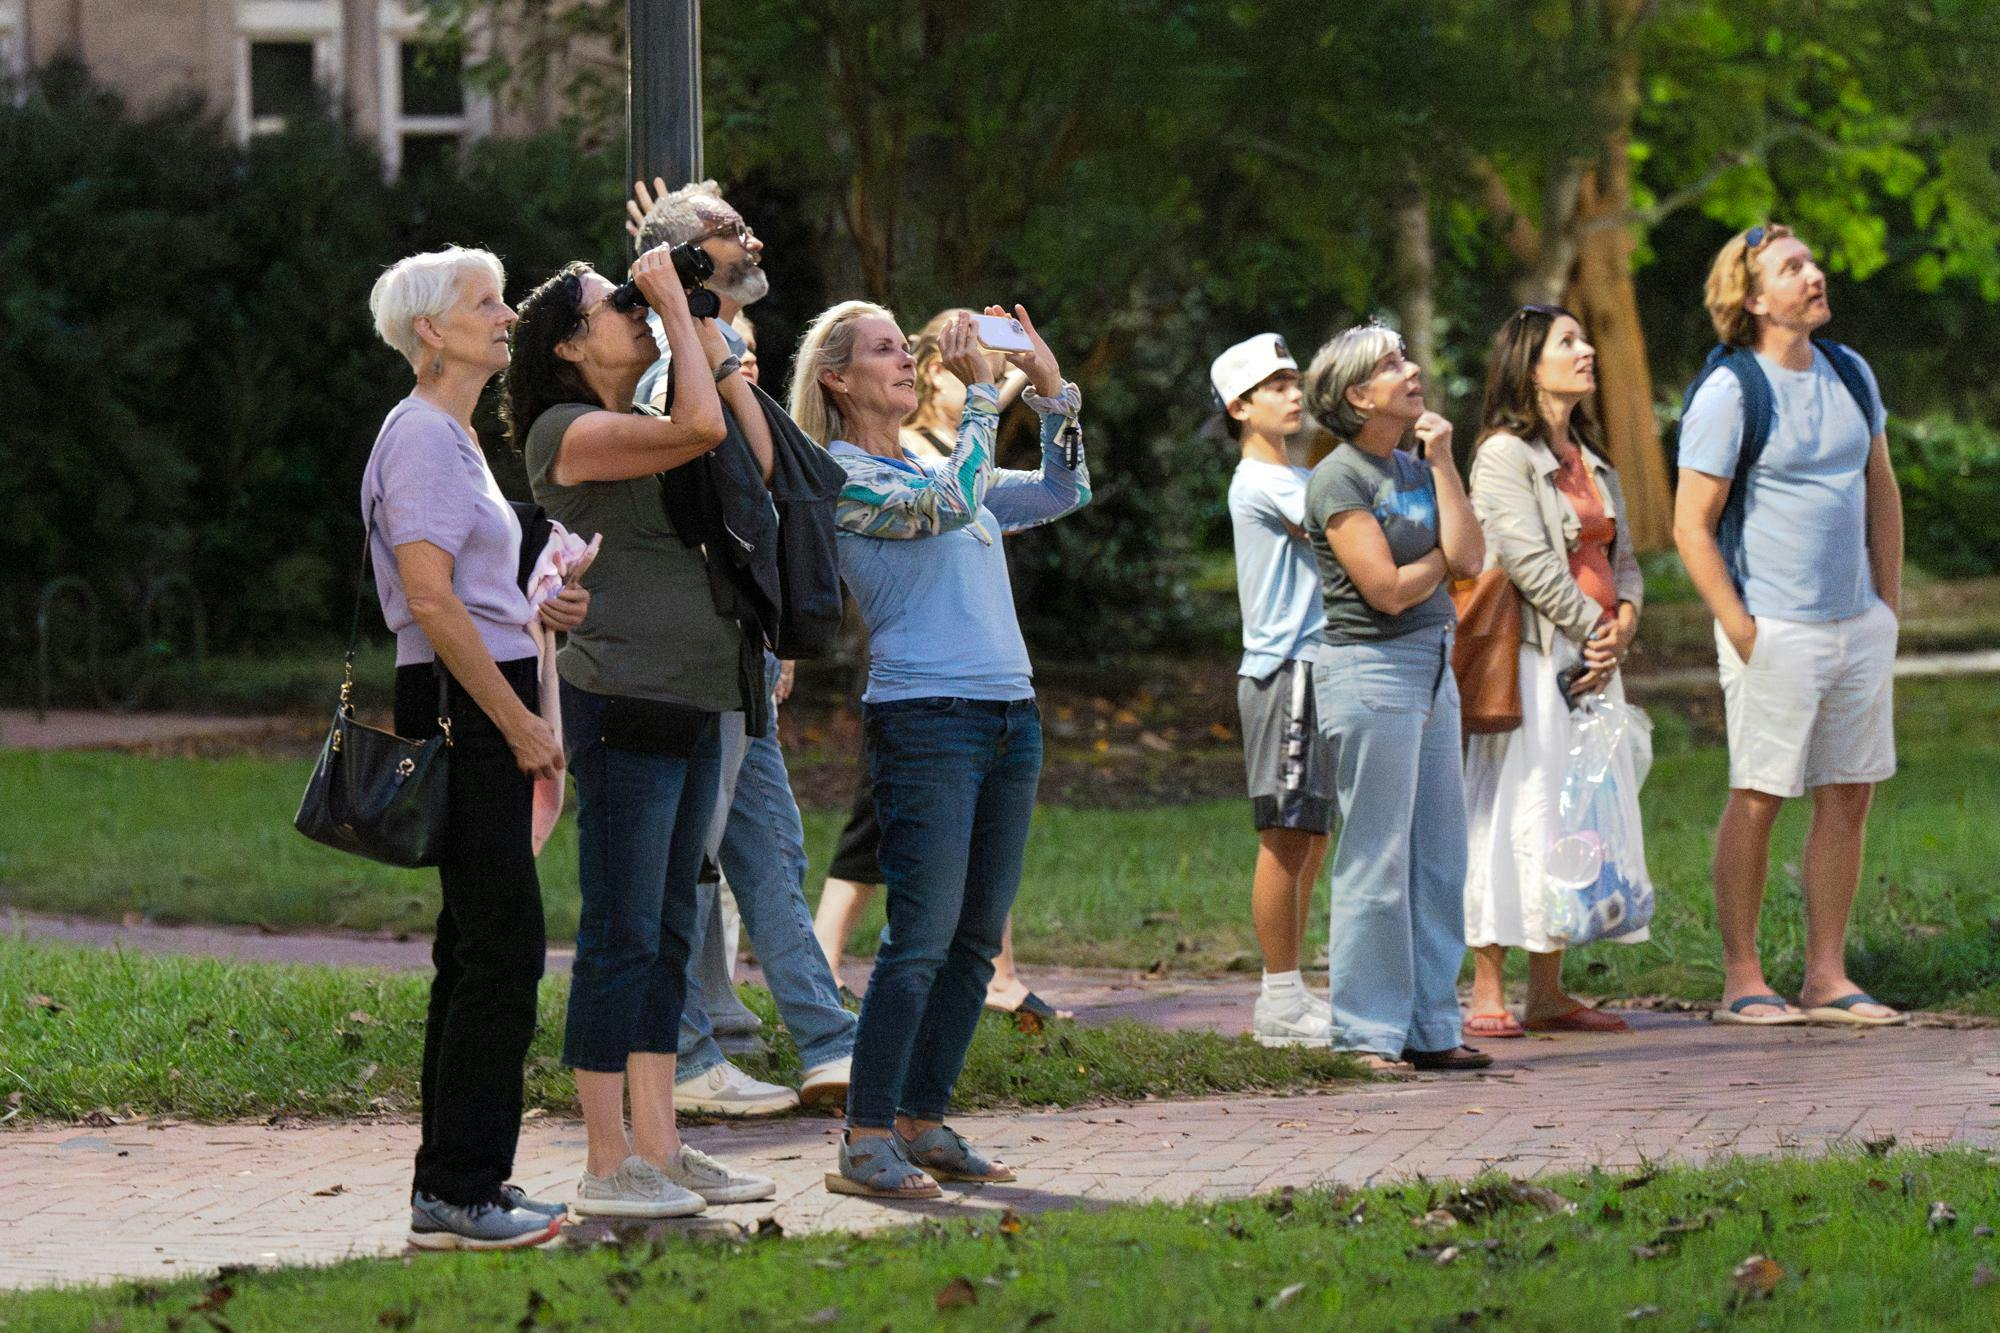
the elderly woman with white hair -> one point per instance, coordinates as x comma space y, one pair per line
954, 740
1389, 527
446, 548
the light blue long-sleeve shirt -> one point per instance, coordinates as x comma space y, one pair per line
920, 549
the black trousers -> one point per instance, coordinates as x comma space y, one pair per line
489, 950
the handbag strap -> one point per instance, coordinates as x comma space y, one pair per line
354, 638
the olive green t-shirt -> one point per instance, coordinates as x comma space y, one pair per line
653, 631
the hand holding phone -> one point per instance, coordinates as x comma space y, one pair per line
1035, 360
1001, 333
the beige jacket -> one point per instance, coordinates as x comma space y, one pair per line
1531, 528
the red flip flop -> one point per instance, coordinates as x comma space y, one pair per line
1583, 1018
1498, 1025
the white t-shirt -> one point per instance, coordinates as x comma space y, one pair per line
1277, 582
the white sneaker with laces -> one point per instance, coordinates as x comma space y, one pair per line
1288, 1018
727, 1090
826, 1085
693, 1169
636, 1189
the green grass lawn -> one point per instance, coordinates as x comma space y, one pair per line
211, 840
1848, 1243
215, 1039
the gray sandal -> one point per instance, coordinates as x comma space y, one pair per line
946, 1155
876, 1168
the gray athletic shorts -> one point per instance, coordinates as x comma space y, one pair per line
1289, 763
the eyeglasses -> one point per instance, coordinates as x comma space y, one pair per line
739, 229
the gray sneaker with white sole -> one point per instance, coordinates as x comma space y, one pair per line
636, 1189
492, 1225
693, 1169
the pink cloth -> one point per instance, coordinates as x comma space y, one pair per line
560, 564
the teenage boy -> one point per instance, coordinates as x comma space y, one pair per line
1290, 767
1791, 527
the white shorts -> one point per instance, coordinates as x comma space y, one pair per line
1814, 706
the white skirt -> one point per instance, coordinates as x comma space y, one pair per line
1513, 784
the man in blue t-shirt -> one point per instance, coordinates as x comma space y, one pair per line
1805, 601
1289, 764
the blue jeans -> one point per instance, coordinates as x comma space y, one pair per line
761, 846
641, 819
954, 790
1398, 893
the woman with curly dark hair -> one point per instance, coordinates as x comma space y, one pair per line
642, 688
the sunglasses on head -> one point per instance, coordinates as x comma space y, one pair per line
1534, 308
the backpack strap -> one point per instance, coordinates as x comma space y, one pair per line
1759, 408
1847, 364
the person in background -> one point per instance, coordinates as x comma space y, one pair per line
1554, 519
1805, 581
758, 838
1389, 527
644, 683
446, 549
748, 356
855, 872
953, 735
1289, 764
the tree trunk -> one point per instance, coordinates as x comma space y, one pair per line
1414, 275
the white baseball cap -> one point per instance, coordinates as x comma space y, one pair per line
1248, 364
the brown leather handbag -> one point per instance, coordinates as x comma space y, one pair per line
1486, 656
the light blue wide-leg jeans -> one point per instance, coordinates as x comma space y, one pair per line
1397, 899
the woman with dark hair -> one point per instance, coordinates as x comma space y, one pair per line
642, 686
1554, 519
446, 549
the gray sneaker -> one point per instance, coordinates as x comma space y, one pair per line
635, 1189
516, 1197
493, 1225
695, 1170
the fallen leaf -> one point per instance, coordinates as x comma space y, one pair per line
1982, 1230
1446, 1256
361, 1017
1284, 1298
1983, 1276
1879, 1186
1159, 918
47, 1002
1878, 1147
1642, 1312
1651, 1251
766, 1228
1942, 1215
956, 1293
1756, 1277
394, 1318
1437, 1219
1011, 1224
826, 1314
1027, 1021
330, 1192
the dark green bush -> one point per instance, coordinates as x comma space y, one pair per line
1950, 475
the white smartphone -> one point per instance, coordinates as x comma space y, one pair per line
1001, 333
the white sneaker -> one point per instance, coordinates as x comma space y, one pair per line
695, 1170
636, 1189
1289, 1019
727, 1090
1321, 1006
826, 1084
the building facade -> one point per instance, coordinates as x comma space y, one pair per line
258, 62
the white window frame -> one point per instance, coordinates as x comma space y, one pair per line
399, 25
313, 21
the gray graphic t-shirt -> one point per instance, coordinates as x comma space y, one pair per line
1399, 492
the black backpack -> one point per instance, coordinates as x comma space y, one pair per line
1759, 409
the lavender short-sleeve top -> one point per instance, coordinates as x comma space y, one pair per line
427, 481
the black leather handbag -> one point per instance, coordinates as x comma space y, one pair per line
372, 792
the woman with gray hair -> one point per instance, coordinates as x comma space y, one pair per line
1388, 527
446, 547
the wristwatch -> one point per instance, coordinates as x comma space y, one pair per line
728, 366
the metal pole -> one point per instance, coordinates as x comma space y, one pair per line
663, 91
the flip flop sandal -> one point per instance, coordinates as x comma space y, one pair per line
1036, 1005
1841, 1012
1583, 1018
944, 1153
1734, 1013
1498, 1026
878, 1169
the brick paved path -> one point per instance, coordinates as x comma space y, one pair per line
152, 1201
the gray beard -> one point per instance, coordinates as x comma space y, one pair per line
752, 286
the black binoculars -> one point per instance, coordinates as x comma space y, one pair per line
693, 266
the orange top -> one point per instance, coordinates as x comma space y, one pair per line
1590, 562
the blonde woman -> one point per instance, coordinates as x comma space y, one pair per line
1554, 519
954, 738
855, 872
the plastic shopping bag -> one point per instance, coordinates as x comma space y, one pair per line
1596, 883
